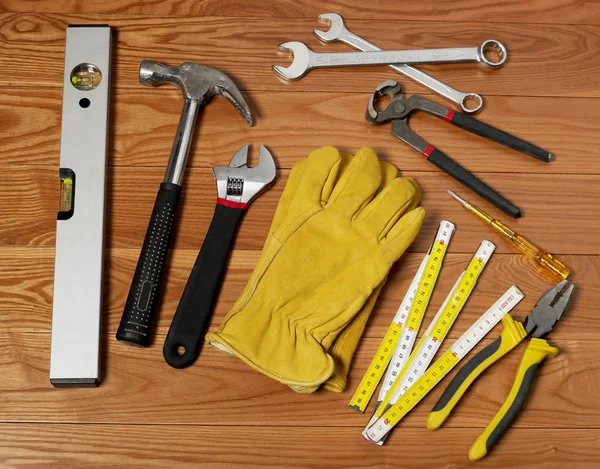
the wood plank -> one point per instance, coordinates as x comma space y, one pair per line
27, 273
29, 220
514, 11
108, 446
545, 60
139, 387
291, 124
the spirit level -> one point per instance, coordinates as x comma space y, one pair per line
77, 298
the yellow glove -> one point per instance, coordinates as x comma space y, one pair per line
345, 345
326, 255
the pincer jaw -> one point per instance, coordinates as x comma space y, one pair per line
389, 88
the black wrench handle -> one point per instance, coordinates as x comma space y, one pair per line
140, 308
192, 318
470, 181
496, 135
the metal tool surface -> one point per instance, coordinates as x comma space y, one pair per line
199, 84
549, 309
78, 268
398, 112
470, 103
305, 59
237, 186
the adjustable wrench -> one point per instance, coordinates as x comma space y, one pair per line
306, 59
237, 186
339, 32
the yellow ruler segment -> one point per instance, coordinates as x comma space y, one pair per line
371, 378
432, 340
457, 351
449, 359
391, 397
428, 275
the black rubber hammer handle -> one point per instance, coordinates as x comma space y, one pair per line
140, 308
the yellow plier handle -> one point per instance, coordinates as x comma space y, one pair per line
537, 351
512, 335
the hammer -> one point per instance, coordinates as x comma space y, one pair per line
198, 83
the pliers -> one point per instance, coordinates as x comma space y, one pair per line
399, 111
548, 310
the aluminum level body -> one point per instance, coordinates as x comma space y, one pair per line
77, 297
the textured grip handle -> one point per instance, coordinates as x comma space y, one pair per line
512, 335
537, 351
137, 319
470, 181
499, 136
191, 320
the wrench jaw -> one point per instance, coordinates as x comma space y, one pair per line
241, 184
336, 28
389, 88
300, 62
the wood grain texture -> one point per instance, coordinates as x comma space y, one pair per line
108, 446
219, 413
535, 11
30, 218
33, 43
26, 302
139, 387
31, 131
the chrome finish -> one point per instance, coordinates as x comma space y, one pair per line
338, 32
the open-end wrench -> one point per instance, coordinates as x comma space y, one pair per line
237, 186
470, 103
306, 59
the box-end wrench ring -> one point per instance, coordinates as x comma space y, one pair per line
470, 103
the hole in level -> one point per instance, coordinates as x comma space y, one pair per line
180, 350
84, 103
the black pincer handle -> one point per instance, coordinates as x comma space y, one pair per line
138, 315
470, 181
192, 318
499, 136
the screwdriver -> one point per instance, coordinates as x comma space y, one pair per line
544, 260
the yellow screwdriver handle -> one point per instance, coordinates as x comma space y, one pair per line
512, 334
537, 351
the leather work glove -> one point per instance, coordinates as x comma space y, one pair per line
342, 350
325, 257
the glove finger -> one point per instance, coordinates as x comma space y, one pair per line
288, 193
357, 183
388, 173
417, 197
379, 216
403, 233
320, 173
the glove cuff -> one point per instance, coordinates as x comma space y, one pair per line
297, 360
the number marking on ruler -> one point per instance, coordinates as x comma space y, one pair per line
435, 334
455, 353
414, 303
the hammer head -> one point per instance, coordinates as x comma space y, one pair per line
197, 82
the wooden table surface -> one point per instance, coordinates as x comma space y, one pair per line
219, 413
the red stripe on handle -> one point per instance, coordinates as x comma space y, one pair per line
428, 151
231, 203
449, 115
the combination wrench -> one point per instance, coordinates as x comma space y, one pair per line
304, 59
339, 32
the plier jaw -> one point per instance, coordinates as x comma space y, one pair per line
548, 310
395, 110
